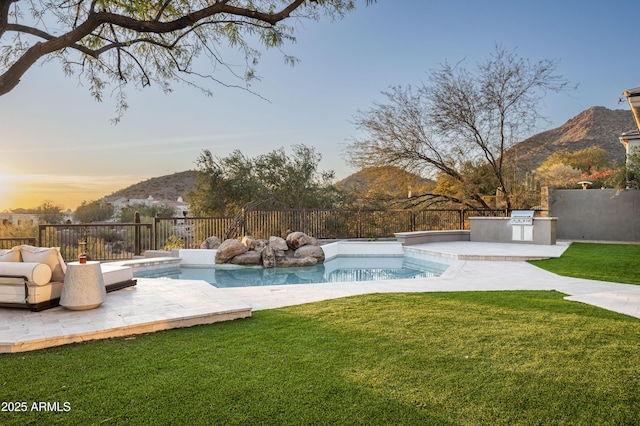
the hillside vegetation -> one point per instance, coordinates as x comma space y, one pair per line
168, 187
384, 183
594, 127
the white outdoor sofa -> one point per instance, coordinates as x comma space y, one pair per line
32, 277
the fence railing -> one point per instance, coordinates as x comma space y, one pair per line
7, 243
191, 230
105, 241
319, 223
114, 241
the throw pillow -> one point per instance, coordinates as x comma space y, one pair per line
11, 255
50, 256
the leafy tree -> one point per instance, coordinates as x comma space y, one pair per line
627, 175
380, 187
94, 211
585, 160
225, 185
559, 175
119, 43
479, 179
295, 181
126, 215
455, 118
633, 168
48, 212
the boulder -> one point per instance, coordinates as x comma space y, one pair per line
291, 262
278, 244
268, 257
259, 245
228, 249
249, 258
298, 239
310, 251
210, 243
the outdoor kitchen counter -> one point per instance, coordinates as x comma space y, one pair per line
501, 230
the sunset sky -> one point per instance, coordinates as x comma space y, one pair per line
58, 144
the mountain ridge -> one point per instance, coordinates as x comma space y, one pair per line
167, 187
595, 126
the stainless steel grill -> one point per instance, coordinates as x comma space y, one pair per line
522, 217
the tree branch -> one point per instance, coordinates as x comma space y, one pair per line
4, 14
12, 75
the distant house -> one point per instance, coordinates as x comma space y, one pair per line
631, 139
179, 206
18, 219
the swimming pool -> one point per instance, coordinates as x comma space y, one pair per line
341, 268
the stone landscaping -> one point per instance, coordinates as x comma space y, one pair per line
297, 249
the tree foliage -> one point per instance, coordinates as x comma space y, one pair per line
93, 211
126, 214
114, 44
564, 169
458, 118
225, 185
585, 160
49, 212
559, 175
380, 187
627, 175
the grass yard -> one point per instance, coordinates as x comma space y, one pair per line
604, 262
474, 358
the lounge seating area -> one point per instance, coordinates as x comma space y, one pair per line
33, 277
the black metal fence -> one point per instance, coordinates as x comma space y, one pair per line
191, 231
7, 243
114, 241
319, 223
104, 241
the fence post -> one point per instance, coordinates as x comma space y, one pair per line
305, 222
41, 230
154, 233
243, 226
462, 219
136, 243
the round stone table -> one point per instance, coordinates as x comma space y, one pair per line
83, 286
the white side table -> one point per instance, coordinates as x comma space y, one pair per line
83, 286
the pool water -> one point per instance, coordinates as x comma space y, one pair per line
337, 269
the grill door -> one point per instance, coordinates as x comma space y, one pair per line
522, 232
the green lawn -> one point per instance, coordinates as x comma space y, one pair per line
605, 262
436, 358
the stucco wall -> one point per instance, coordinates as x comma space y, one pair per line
596, 214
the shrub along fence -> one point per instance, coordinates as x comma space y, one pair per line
113, 241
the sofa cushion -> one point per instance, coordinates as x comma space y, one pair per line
11, 255
50, 256
36, 273
113, 274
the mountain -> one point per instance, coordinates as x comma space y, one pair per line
596, 126
386, 181
168, 187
